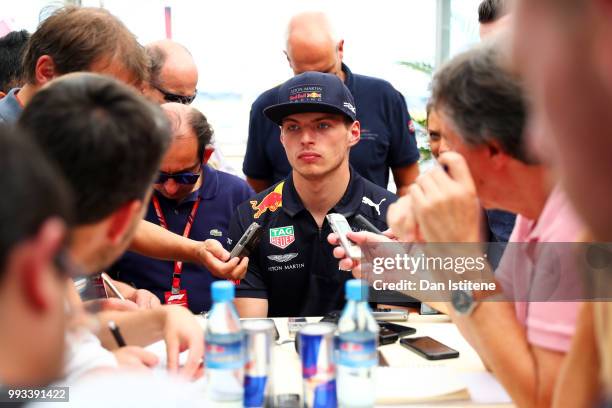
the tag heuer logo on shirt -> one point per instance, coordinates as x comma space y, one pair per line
282, 237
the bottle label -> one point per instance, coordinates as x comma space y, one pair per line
225, 355
357, 353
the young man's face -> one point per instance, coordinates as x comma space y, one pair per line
317, 143
561, 54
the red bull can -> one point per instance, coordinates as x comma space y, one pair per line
316, 347
259, 335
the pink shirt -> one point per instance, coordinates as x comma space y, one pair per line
540, 272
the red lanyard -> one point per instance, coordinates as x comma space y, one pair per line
178, 265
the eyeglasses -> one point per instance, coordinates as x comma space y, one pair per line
171, 97
180, 178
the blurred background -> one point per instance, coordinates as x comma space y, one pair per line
238, 46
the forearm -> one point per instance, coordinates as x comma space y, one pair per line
579, 384
139, 328
501, 341
404, 176
156, 242
251, 307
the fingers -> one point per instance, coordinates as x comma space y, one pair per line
333, 239
240, 271
109, 304
194, 358
401, 220
146, 357
458, 169
172, 353
146, 299
214, 248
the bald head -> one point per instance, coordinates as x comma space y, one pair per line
312, 45
172, 69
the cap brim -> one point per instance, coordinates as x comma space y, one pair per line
276, 113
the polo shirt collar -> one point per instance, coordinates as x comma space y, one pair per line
347, 206
349, 77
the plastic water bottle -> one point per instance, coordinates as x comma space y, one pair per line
357, 349
224, 357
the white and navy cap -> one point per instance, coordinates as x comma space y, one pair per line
312, 92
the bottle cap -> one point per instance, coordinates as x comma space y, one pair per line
222, 291
357, 290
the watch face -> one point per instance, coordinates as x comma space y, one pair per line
462, 301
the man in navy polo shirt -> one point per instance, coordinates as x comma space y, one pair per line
292, 272
387, 134
190, 199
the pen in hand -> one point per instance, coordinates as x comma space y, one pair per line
116, 333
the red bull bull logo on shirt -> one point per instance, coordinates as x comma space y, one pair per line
271, 202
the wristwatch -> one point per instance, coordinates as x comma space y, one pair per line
463, 302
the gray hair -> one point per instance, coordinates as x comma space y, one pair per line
484, 102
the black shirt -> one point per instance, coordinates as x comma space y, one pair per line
293, 266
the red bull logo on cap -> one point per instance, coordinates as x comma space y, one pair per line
271, 202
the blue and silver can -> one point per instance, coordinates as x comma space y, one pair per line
259, 334
316, 346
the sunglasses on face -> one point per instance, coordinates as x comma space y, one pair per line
170, 97
180, 178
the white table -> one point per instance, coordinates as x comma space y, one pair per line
287, 371
406, 370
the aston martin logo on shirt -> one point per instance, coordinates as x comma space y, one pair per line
283, 258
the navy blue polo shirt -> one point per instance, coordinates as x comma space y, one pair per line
220, 195
387, 135
293, 266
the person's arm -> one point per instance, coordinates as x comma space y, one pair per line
156, 242
251, 307
258, 184
578, 384
404, 176
527, 372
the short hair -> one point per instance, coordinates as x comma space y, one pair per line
483, 101
12, 47
32, 191
77, 37
203, 130
156, 59
492, 10
107, 140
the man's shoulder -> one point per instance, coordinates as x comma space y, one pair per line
266, 99
377, 191
260, 206
374, 84
375, 202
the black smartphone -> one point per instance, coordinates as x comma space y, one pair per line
386, 336
401, 331
429, 348
248, 241
366, 225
